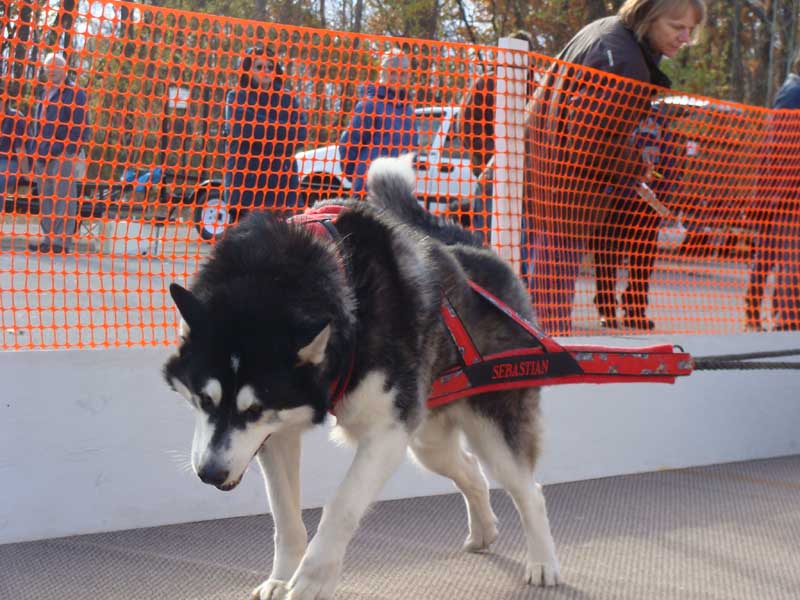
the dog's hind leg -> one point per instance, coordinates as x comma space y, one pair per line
513, 469
279, 459
437, 446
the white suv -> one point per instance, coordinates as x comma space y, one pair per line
443, 167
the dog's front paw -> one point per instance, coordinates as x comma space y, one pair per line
271, 589
315, 580
545, 574
481, 535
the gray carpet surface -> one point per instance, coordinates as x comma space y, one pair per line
723, 532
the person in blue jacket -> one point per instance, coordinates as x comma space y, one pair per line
778, 242
264, 124
382, 123
57, 130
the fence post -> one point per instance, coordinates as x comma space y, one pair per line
509, 157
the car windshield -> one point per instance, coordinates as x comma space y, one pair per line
427, 125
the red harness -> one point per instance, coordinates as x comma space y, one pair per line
545, 363
320, 220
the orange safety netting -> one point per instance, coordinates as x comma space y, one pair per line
174, 147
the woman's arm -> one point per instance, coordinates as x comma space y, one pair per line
605, 111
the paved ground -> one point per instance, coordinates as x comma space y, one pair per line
114, 296
727, 532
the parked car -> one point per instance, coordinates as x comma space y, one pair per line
175, 193
444, 175
179, 191
713, 177
444, 172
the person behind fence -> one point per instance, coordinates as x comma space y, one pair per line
382, 122
778, 241
57, 129
264, 125
631, 232
585, 165
12, 132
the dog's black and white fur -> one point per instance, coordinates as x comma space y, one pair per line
274, 317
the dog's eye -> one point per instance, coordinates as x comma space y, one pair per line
206, 403
253, 413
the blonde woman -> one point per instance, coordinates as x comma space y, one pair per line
586, 166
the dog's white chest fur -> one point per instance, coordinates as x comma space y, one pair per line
368, 407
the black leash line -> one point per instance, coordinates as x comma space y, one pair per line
744, 361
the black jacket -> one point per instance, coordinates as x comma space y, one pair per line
582, 123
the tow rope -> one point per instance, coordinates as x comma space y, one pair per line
744, 362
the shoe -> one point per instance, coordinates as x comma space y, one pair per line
39, 246
752, 314
56, 249
786, 327
753, 323
609, 323
638, 322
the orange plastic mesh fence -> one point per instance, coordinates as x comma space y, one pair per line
118, 185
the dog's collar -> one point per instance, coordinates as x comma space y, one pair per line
321, 221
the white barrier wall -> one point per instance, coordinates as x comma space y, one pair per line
94, 441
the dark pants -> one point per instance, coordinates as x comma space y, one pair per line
766, 256
778, 248
59, 201
632, 233
8, 176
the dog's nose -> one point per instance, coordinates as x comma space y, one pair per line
213, 474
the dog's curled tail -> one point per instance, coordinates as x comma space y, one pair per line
391, 183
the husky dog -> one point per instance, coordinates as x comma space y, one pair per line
278, 315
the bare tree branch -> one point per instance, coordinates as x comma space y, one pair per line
758, 9
463, 12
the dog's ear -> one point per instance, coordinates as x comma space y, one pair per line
314, 352
192, 311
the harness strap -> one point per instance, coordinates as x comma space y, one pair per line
467, 352
321, 221
537, 334
549, 363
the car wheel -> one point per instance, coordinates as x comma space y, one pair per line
212, 216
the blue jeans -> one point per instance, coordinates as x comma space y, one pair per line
8, 175
778, 248
482, 212
787, 278
554, 263
59, 200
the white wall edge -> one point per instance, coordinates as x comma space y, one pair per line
93, 441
